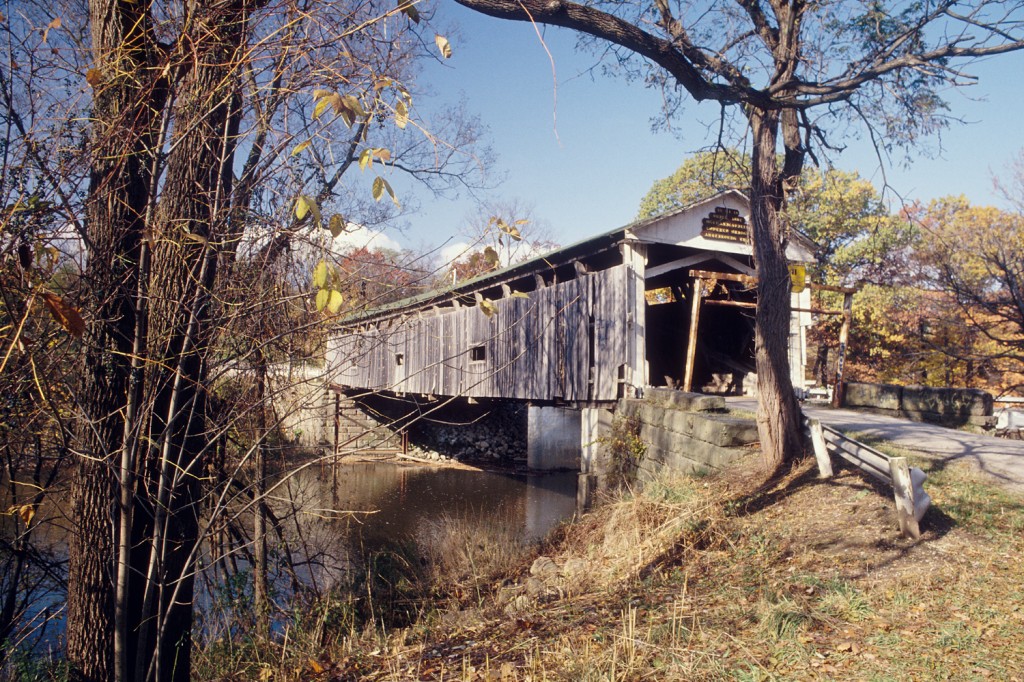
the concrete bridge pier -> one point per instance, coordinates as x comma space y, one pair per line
553, 438
595, 424
562, 438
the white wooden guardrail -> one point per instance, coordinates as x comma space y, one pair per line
906, 481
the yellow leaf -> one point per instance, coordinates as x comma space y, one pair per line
334, 302
315, 666
301, 146
301, 207
94, 77
314, 208
321, 104
26, 512
401, 115
320, 275
365, 160
443, 46
55, 23
380, 186
351, 102
322, 297
487, 307
66, 315
336, 225
382, 154
266, 672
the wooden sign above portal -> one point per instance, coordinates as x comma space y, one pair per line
726, 224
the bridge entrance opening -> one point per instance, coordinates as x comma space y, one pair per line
723, 354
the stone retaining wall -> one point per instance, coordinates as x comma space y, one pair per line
680, 432
688, 432
946, 406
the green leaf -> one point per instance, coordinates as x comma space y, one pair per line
320, 275
301, 146
302, 207
443, 46
401, 114
334, 302
336, 225
322, 297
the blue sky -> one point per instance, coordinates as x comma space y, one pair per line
579, 147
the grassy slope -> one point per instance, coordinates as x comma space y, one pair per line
684, 582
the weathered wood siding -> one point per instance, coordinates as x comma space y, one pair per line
566, 340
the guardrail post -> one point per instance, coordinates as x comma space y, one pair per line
911, 500
820, 450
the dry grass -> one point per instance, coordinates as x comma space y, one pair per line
686, 582
464, 556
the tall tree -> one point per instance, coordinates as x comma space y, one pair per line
975, 254
220, 132
778, 61
698, 177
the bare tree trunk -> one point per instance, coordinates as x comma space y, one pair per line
778, 414
261, 591
821, 364
189, 224
125, 111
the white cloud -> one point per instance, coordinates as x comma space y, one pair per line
455, 251
359, 237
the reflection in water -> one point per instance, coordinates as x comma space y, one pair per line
329, 523
375, 505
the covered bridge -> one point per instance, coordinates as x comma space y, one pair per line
665, 301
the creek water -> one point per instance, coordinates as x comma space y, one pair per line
361, 507
332, 518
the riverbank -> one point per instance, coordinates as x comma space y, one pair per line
692, 580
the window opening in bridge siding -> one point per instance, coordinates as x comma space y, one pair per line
478, 354
399, 358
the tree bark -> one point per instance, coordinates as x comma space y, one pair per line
190, 222
778, 414
125, 114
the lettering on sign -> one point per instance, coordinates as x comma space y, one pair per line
726, 224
